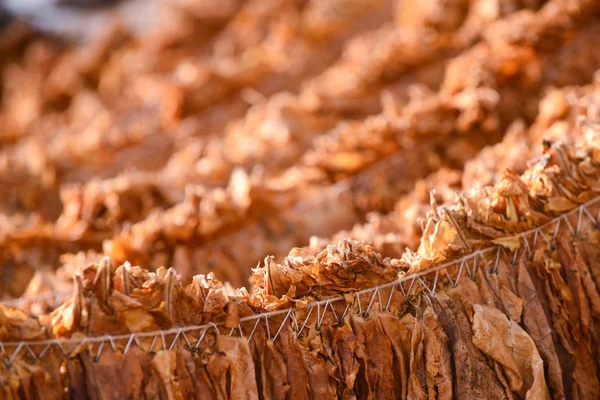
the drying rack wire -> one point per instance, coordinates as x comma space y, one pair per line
406, 285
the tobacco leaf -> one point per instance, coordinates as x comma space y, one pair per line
508, 344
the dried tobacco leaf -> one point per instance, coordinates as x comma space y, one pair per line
217, 196
508, 344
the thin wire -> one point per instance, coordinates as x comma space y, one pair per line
178, 331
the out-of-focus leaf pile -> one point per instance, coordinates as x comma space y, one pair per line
147, 177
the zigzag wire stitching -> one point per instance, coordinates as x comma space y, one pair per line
181, 331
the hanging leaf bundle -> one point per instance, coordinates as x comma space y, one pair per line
360, 199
